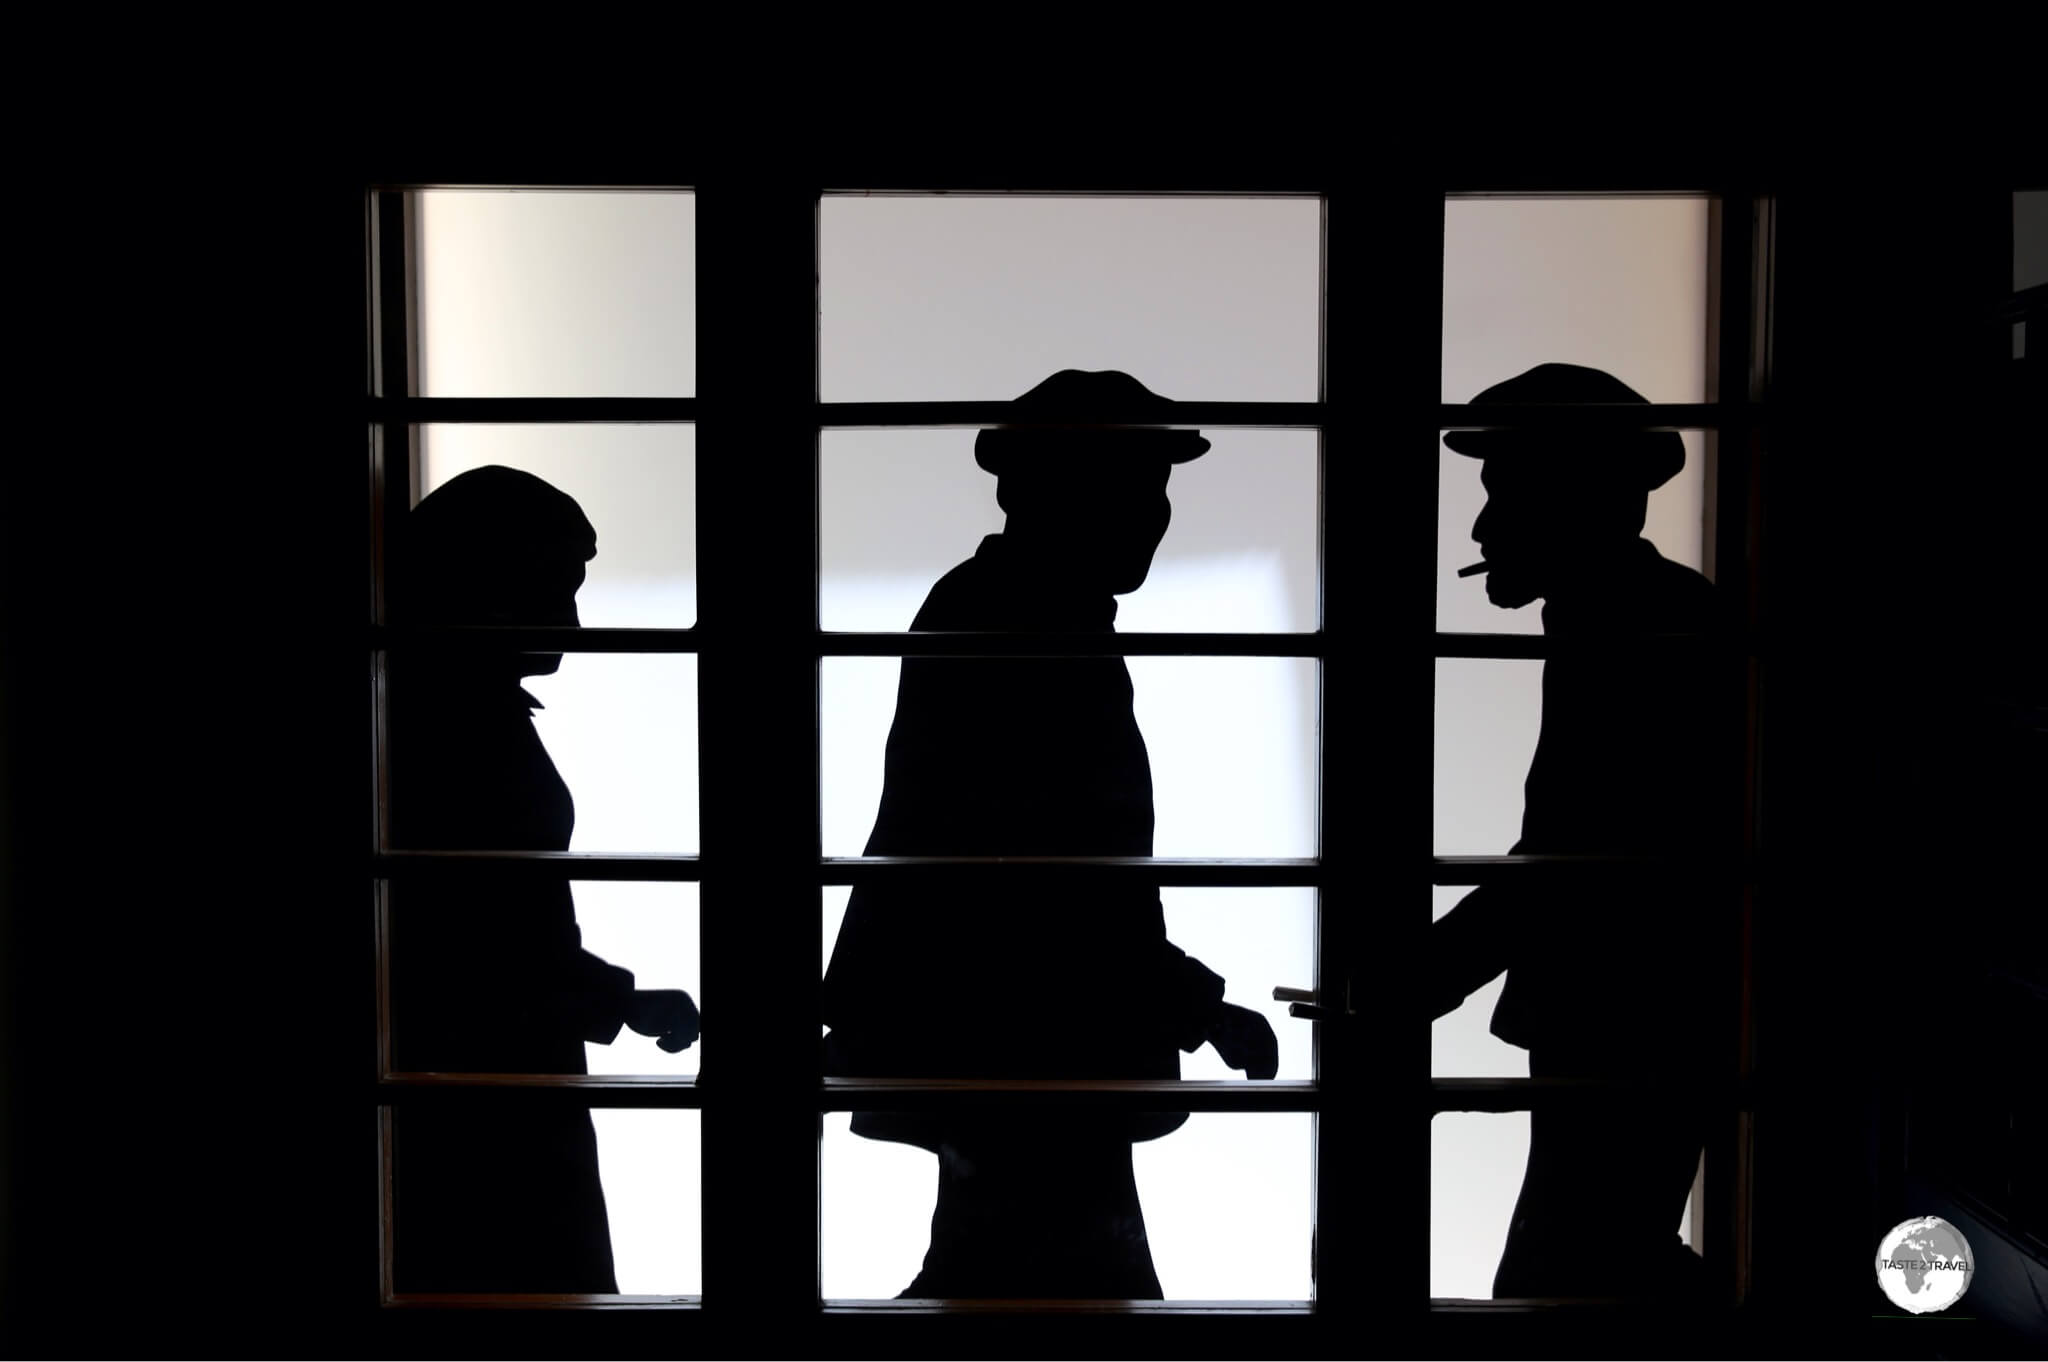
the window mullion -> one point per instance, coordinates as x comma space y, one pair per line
1379, 348
758, 711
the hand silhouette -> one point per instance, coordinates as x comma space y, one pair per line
1246, 1041
667, 1014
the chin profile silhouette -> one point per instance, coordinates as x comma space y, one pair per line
1601, 982
1018, 758
488, 973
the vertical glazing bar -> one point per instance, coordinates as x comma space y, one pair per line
758, 734
1382, 255
1732, 545
391, 472
394, 463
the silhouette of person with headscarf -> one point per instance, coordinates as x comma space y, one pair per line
1032, 757
1602, 982
488, 974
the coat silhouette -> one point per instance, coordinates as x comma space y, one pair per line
1602, 981
1017, 758
488, 973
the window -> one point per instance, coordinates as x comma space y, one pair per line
761, 418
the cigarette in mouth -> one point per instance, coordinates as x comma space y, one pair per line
1474, 570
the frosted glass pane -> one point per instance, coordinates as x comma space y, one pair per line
1231, 742
1475, 1173
633, 1220
636, 484
621, 732
951, 298
900, 508
556, 294
1674, 522
1613, 284
1227, 1201
1476, 1165
1488, 715
622, 729
1256, 939
464, 950
650, 929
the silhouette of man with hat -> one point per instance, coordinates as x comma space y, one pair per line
1601, 981
1032, 757
488, 973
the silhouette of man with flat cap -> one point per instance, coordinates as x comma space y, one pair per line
1601, 981
1018, 758
488, 973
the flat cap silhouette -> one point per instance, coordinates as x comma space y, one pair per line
1653, 456
1082, 398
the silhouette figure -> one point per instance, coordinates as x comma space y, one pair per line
1032, 757
487, 973
1601, 982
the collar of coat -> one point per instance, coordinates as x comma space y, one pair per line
1076, 607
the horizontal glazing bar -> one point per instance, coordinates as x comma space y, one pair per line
527, 410
925, 1094
1245, 873
1083, 190
970, 415
1580, 418
973, 415
1065, 1307
1506, 646
1529, 1094
561, 865
1620, 416
1097, 644
575, 1090
609, 185
537, 1302
1527, 1305
535, 639
1458, 870
1580, 193
1147, 870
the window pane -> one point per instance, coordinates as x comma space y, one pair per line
901, 508
1488, 715
1225, 1199
1618, 285
1256, 939
650, 929
1674, 524
1595, 1224
614, 768
496, 1199
541, 294
492, 973
1228, 743
635, 484
979, 298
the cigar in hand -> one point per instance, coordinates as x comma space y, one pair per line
1474, 569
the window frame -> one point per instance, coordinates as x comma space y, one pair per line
760, 649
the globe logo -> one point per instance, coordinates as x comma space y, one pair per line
1925, 1265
